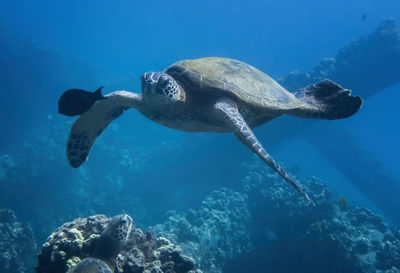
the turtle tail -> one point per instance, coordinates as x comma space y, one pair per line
326, 100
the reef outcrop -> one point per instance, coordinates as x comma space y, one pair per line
215, 233
334, 236
355, 65
268, 227
16, 244
141, 253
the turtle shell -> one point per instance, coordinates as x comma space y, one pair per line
248, 84
91, 265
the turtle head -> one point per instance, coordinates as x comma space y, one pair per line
161, 89
119, 228
115, 235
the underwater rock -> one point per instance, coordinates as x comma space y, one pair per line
215, 233
17, 244
355, 65
140, 252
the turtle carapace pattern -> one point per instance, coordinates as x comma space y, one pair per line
213, 95
91, 265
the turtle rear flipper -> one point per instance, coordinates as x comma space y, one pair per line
228, 113
326, 100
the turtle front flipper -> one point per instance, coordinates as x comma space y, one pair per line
93, 122
229, 113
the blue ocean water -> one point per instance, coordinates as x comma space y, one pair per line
147, 170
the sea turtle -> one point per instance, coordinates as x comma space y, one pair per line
91, 265
106, 248
212, 95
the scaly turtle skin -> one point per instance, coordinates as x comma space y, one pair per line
114, 236
213, 95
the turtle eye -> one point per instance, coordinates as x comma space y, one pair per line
162, 82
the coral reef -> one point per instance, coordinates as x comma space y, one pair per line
213, 234
331, 237
16, 244
79, 239
268, 224
362, 236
